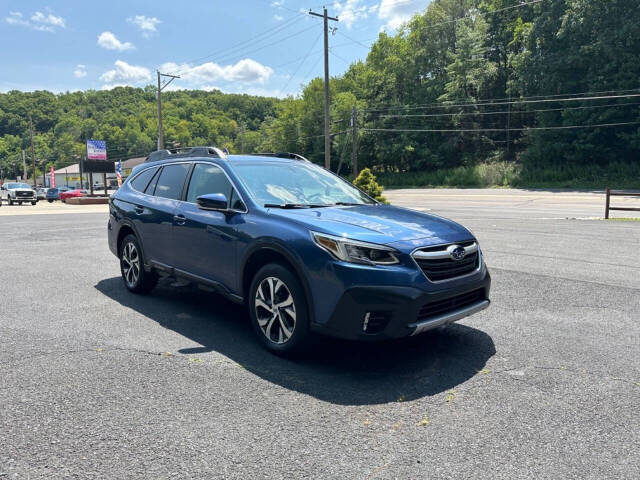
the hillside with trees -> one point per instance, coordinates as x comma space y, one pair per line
469, 92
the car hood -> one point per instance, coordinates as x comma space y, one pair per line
383, 224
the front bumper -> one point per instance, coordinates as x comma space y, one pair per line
398, 311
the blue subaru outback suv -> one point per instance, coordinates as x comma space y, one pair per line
304, 250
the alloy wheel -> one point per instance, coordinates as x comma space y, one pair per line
275, 310
130, 264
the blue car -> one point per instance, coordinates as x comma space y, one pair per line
305, 251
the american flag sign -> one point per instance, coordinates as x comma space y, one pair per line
119, 173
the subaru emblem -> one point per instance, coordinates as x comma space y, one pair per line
456, 252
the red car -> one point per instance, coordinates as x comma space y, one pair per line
72, 193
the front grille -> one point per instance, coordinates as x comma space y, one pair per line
443, 267
450, 304
24, 194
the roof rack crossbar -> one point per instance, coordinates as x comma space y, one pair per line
186, 152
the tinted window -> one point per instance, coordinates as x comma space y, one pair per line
207, 179
152, 184
141, 181
171, 181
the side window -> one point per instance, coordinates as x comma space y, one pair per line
171, 181
141, 180
207, 178
236, 203
152, 184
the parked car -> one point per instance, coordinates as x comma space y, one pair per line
303, 249
72, 193
16, 192
53, 193
41, 193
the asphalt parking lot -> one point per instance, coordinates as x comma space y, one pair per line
98, 383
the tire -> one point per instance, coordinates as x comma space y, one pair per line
50, 201
287, 331
134, 276
33, 203
9, 201
20, 203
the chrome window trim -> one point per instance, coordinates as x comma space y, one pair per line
477, 270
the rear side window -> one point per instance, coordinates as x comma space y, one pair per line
141, 181
206, 179
171, 181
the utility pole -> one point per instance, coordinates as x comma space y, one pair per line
24, 166
327, 139
354, 141
160, 88
33, 151
242, 138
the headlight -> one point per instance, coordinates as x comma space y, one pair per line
354, 251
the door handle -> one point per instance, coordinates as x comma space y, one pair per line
139, 209
179, 219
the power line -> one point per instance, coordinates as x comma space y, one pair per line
464, 114
491, 100
478, 130
301, 63
513, 102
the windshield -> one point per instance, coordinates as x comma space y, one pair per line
17, 185
296, 183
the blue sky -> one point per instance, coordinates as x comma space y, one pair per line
263, 47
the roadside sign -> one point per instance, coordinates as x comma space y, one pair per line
96, 150
96, 161
52, 178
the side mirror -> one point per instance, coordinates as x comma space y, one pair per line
213, 201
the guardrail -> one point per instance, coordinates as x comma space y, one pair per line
618, 193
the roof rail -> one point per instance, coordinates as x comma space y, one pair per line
185, 153
291, 156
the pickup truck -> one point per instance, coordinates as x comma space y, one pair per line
14, 192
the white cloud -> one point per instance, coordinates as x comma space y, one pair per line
109, 41
80, 71
125, 74
396, 12
146, 24
246, 71
278, 18
44, 22
350, 11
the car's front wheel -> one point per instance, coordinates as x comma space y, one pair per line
134, 276
9, 201
278, 310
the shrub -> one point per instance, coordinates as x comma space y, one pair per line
366, 182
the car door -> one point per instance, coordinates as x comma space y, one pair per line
205, 240
163, 194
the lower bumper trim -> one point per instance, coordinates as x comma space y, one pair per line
450, 317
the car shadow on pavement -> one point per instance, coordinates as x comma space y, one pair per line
336, 371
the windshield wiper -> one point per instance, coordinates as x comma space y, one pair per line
347, 204
296, 205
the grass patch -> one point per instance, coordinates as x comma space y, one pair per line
509, 174
624, 219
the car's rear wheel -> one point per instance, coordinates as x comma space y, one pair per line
278, 310
134, 276
50, 201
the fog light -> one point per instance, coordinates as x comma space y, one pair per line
375, 322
